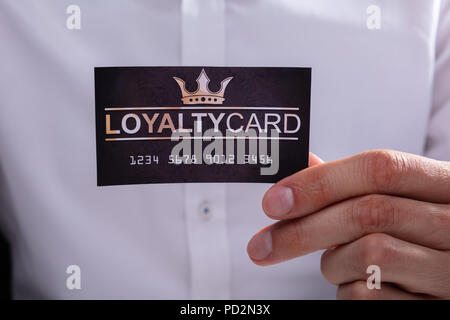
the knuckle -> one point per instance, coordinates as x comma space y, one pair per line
439, 222
314, 186
297, 237
383, 168
440, 217
373, 212
376, 249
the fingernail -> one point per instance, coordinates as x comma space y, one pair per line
260, 246
278, 201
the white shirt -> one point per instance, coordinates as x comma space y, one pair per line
371, 88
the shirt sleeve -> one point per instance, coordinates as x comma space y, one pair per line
438, 136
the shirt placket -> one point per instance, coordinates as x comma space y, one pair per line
203, 44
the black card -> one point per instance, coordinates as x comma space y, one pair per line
201, 124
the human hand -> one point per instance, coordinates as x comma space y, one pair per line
380, 207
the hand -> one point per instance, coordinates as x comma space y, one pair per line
383, 208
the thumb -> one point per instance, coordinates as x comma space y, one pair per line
314, 160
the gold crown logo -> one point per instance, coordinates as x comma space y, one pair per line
202, 95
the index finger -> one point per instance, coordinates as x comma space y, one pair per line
378, 171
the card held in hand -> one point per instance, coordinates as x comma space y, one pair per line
201, 124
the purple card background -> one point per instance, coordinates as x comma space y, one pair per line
155, 87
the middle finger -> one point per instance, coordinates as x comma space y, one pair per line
411, 220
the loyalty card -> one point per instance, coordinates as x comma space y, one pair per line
201, 124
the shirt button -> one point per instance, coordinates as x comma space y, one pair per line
205, 210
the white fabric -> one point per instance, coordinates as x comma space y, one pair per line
370, 89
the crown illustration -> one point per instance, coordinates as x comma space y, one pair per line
202, 95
